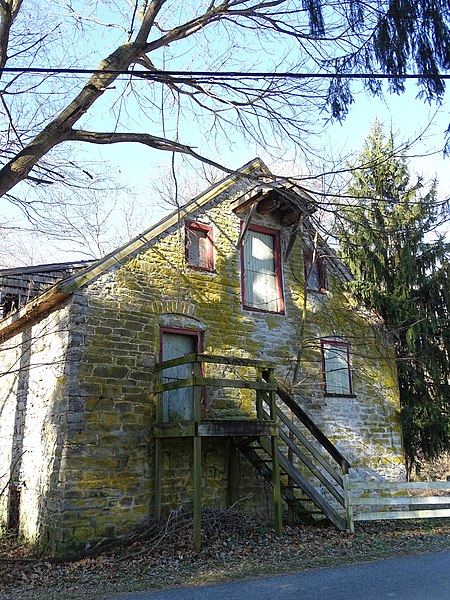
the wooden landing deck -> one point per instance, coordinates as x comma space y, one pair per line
216, 428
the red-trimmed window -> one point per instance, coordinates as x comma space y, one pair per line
336, 368
199, 246
261, 278
315, 272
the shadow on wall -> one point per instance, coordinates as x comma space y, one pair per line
15, 481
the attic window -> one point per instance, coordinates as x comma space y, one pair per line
199, 246
261, 277
315, 272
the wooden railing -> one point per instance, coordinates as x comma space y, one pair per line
199, 379
306, 456
194, 426
384, 500
313, 451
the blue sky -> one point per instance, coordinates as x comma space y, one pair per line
137, 168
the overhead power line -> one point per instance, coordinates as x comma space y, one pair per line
160, 75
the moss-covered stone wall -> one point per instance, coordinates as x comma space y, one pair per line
109, 469
106, 475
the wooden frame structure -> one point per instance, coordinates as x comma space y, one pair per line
392, 500
262, 383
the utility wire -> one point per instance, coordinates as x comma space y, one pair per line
161, 75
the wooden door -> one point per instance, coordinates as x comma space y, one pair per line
178, 405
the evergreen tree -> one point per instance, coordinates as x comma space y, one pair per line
388, 237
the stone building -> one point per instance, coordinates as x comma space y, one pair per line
97, 440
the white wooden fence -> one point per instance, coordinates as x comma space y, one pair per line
379, 500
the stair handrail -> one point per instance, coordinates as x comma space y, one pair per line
318, 434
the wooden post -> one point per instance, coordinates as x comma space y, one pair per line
197, 395
197, 468
158, 473
259, 402
159, 399
291, 485
348, 503
277, 506
233, 469
197, 476
158, 452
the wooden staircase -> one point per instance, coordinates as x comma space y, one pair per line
310, 484
306, 470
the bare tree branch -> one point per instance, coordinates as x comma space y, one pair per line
146, 139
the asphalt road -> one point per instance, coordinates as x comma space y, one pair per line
424, 577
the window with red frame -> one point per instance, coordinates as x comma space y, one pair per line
261, 270
315, 272
199, 246
336, 368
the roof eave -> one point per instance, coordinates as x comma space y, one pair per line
31, 311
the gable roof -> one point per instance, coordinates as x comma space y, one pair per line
261, 187
25, 283
252, 172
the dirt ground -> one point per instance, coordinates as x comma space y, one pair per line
234, 546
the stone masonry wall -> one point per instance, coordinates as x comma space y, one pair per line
32, 426
109, 453
100, 456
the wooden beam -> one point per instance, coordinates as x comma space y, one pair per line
233, 474
197, 392
234, 383
277, 506
216, 359
213, 382
403, 500
174, 430
291, 242
397, 486
246, 225
158, 474
31, 312
197, 476
236, 428
408, 514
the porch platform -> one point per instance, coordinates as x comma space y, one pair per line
216, 428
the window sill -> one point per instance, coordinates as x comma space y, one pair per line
330, 395
201, 269
262, 311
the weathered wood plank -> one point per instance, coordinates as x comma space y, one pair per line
311, 449
308, 489
179, 429
409, 514
158, 475
399, 495
197, 393
236, 428
197, 476
175, 385
235, 383
312, 427
210, 358
235, 361
213, 382
277, 506
175, 362
399, 485
312, 468
399, 500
